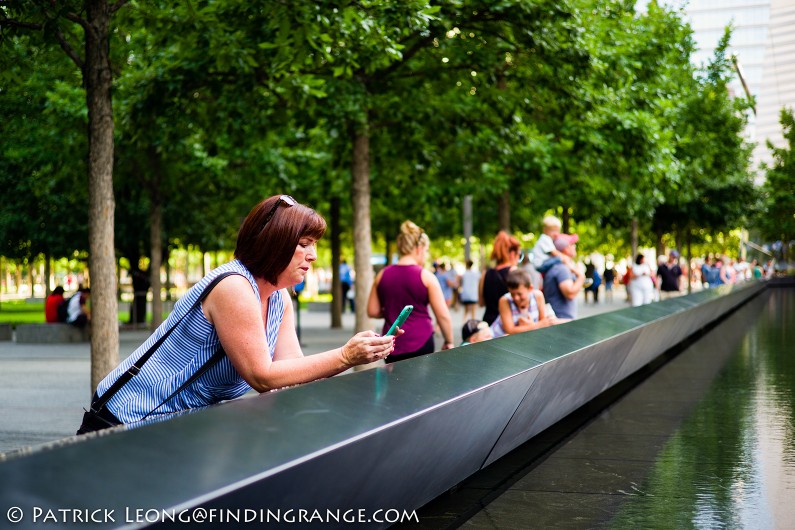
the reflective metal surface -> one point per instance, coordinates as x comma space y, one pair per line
393, 437
611, 347
706, 442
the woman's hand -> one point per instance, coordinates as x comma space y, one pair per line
367, 347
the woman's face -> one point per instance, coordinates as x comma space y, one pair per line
305, 253
421, 253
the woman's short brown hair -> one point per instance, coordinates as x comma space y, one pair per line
504, 244
266, 248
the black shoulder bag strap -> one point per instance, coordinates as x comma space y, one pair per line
136, 367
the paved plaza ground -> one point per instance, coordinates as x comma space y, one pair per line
44, 387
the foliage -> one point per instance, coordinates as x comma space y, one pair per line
716, 189
777, 221
624, 138
41, 123
591, 107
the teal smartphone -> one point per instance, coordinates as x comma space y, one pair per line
400, 319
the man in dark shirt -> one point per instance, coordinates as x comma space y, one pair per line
670, 274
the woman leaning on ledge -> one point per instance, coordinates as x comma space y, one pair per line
249, 314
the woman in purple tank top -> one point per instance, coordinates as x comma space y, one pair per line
408, 283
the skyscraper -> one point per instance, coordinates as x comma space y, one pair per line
763, 41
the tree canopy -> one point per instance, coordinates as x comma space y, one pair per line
777, 220
388, 110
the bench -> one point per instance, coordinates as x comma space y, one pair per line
50, 333
5, 331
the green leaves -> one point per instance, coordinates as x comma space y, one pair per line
590, 105
777, 221
42, 166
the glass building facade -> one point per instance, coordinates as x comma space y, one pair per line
763, 40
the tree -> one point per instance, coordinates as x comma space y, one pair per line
56, 23
777, 221
425, 51
714, 189
625, 141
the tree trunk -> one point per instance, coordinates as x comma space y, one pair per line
689, 261
168, 274
187, 267
98, 79
156, 243
362, 238
32, 278
17, 278
565, 219
118, 278
337, 303
155, 236
47, 274
785, 251
633, 237
467, 223
504, 213
660, 246
140, 288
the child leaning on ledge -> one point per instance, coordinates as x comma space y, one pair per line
522, 308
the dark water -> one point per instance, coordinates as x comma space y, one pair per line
708, 441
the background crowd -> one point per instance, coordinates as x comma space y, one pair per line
520, 290
516, 290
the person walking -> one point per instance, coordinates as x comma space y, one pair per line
670, 274
346, 282
609, 277
469, 290
445, 280
407, 282
707, 273
641, 284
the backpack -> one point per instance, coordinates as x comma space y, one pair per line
63, 310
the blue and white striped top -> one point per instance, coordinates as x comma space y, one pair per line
182, 354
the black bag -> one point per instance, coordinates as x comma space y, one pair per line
96, 421
97, 417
